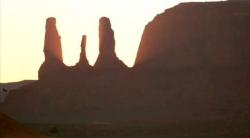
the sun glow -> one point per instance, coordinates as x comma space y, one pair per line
23, 28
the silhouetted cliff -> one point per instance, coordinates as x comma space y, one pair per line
201, 35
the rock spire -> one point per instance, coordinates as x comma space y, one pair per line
107, 58
52, 50
83, 61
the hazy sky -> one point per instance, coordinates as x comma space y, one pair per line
22, 28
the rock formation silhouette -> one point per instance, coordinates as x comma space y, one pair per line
52, 50
53, 65
83, 61
193, 63
107, 58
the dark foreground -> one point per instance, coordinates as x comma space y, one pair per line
204, 129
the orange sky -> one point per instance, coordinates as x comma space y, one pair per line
23, 26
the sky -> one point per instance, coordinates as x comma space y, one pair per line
22, 30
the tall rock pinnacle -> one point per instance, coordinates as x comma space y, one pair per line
107, 58
52, 43
106, 38
52, 50
83, 61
